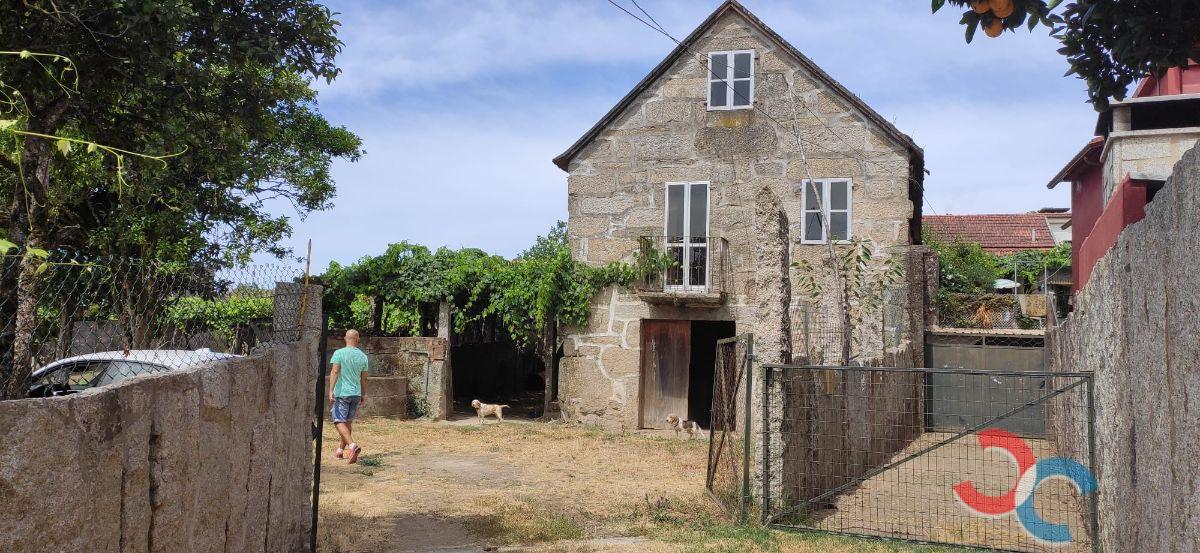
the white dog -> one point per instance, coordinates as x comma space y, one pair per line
677, 424
487, 409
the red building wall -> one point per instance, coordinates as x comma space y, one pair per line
1087, 203
1126, 207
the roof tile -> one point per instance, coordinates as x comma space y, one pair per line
1000, 234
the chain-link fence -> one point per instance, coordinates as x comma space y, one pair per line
69, 324
950, 456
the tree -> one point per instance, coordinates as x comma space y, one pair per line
225, 86
1108, 43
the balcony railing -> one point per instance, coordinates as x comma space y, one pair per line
683, 270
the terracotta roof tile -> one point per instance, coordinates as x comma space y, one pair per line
1000, 234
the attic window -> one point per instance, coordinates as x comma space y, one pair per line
731, 79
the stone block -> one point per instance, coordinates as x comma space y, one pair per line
659, 112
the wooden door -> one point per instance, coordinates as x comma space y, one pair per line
666, 357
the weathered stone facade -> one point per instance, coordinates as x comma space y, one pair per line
802, 126
1135, 326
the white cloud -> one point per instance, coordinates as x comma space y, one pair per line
462, 105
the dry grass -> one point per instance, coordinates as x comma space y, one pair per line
525, 486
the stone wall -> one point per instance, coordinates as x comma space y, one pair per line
1136, 325
616, 189
423, 362
213, 459
1151, 153
388, 397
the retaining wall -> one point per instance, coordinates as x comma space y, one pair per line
1136, 325
212, 459
424, 362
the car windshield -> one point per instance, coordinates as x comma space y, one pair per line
120, 370
75, 376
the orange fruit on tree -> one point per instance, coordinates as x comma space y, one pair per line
1002, 8
994, 28
981, 6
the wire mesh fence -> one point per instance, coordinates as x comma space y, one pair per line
824, 332
67, 325
952, 456
729, 459
1000, 311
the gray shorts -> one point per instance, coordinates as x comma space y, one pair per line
345, 409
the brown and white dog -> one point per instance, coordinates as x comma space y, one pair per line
488, 409
677, 424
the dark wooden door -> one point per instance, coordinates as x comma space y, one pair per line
666, 357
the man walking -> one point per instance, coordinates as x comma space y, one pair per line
347, 390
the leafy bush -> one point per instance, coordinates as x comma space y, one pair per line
220, 314
965, 266
544, 283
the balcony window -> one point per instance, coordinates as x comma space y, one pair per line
686, 236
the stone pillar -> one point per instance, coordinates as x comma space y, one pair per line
439, 375
921, 280
772, 281
772, 330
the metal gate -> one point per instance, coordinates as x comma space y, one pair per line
846, 450
952, 402
729, 460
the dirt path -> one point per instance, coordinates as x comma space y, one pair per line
460, 487
535, 487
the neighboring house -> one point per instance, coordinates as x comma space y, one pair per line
1001, 234
1119, 171
1059, 220
676, 165
1007, 233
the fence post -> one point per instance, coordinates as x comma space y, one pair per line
766, 452
318, 426
1091, 426
748, 378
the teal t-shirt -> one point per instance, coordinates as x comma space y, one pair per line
353, 363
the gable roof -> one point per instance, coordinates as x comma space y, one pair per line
563, 160
1000, 234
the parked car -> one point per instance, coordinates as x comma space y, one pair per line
76, 374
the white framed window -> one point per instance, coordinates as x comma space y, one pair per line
686, 235
826, 200
731, 80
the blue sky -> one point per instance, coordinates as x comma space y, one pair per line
462, 104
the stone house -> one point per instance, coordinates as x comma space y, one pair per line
674, 169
